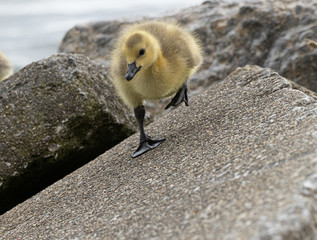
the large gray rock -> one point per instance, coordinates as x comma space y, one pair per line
238, 163
267, 33
55, 115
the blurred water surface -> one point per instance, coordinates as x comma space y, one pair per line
32, 29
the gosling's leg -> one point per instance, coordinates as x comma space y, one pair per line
181, 96
146, 143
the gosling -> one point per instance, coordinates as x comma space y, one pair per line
5, 67
153, 60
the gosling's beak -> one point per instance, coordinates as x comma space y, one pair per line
132, 70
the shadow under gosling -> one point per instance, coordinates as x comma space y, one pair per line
153, 60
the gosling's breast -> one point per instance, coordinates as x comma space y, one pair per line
151, 87
159, 84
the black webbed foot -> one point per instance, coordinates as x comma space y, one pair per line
181, 96
146, 145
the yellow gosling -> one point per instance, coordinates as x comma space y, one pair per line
153, 60
311, 43
5, 67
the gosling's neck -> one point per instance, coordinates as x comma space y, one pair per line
160, 65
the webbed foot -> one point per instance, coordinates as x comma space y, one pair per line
146, 145
181, 96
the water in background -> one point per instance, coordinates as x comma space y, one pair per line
32, 29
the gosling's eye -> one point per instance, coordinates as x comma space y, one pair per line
142, 51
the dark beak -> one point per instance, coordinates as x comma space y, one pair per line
132, 70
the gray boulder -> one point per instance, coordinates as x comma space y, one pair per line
238, 163
55, 115
266, 33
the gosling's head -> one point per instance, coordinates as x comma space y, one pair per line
141, 50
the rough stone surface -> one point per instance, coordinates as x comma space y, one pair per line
233, 33
55, 114
238, 163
